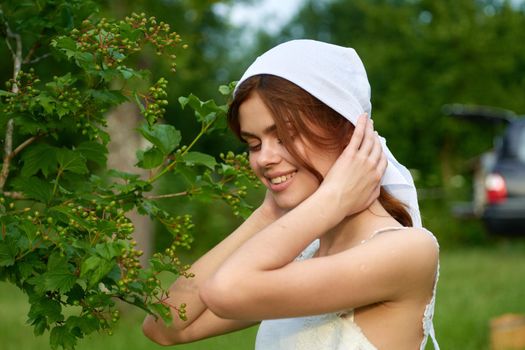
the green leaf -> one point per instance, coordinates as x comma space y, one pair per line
85, 324
228, 170
42, 306
6, 93
56, 261
66, 45
227, 90
71, 161
96, 268
160, 310
62, 82
109, 250
183, 101
148, 208
61, 280
61, 336
34, 188
197, 158
205, 111
47, 102
128, 73
39, 325
89, 265
94, 152
111, 97
165, 137
7, 254
84, 59
64, 42
40, 157
150, 159
58, 276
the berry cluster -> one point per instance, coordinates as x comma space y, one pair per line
236, 169
155, 101
66, 96
181, 228
23, 99
241, 164
112, 41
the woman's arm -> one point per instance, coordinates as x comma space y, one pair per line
201, 322
393, 266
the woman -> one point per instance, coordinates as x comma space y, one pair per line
332, 259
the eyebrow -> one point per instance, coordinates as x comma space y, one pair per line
268, 130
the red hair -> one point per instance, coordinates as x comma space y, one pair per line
297, 112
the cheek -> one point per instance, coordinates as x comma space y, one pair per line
253, 163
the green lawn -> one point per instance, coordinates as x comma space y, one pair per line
475, 285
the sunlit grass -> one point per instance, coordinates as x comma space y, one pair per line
476, 285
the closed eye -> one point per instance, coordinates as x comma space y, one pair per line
254, 147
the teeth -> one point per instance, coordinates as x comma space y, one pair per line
281, 179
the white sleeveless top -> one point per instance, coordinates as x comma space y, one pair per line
331, 331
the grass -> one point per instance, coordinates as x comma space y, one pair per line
476, 284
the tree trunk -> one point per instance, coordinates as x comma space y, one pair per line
122, 125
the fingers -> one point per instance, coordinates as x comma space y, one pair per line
376, 151
359, 133
369, 139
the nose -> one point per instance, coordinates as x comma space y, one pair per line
269, 154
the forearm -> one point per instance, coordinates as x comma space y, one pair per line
283, 240
186, 290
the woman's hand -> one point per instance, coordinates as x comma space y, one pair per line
354, 180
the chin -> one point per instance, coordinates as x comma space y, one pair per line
288, 203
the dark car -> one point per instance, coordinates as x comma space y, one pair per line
499, 175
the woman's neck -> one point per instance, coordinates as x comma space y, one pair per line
355, 229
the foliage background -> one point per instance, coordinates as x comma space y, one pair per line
420, 55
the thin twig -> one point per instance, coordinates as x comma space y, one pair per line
37, 59
31, 52
170, 195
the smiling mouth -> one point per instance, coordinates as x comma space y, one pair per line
280, 179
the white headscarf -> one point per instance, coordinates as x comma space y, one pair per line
336, 76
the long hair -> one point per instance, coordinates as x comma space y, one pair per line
297, 112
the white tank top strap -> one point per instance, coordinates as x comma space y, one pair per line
384, 229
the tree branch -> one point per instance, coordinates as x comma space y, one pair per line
17, 65
24, 145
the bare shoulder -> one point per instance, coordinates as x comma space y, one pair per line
412, 252
416, 244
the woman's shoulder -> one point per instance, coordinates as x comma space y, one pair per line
408, 238
414, 250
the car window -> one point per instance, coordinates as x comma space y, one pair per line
512, 145
520, 150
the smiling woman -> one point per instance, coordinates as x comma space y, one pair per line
334, 257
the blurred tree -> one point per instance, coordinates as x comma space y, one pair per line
421, 54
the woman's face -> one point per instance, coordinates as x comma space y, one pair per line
283, 176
